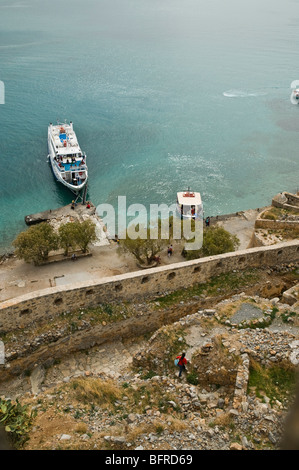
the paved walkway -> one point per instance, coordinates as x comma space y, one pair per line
242, 227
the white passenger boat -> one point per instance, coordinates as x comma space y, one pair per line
189, 205
67, 160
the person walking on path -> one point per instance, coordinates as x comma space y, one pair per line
182, 362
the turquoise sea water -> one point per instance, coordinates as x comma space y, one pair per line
163, 94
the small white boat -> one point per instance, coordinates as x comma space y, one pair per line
67, 160
189, 205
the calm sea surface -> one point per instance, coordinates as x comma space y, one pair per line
163, 94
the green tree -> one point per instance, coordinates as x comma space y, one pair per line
144, 249
67, 236
34, 244
84, 234
216, 240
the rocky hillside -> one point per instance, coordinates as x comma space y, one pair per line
236, 393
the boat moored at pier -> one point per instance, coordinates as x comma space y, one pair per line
67, 160
189, 205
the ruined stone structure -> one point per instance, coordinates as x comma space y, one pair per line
286, 200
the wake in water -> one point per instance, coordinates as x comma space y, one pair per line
13, 46
242, 94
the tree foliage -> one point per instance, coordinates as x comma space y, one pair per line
77, 234
67, 236
34, 244
216, 240
84, 234
144, 248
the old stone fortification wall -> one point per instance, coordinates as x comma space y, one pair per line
274, 224
46, 353
47, 303
286, 200
257, 240
283, 200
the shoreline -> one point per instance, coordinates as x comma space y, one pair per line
8, 250
50, 214
18, 278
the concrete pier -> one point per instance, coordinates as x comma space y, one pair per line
79, 211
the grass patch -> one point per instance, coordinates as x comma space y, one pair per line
218, 285
99, 392
225, 421
288, 316
149, 375
107, 313
119, 399
73, 321
192, 378
270, 215
275, 382
278, 213
288, 233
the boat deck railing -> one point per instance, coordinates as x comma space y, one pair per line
62, 167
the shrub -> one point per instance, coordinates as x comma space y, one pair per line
16, 419
216, 240
143, 249
34, 244
270, 216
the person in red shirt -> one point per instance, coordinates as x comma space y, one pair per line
182, 363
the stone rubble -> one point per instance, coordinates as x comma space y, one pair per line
207, 416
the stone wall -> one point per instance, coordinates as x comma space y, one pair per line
293, 199
48, 303
257, 240
286, 201
269, 224
85, 339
